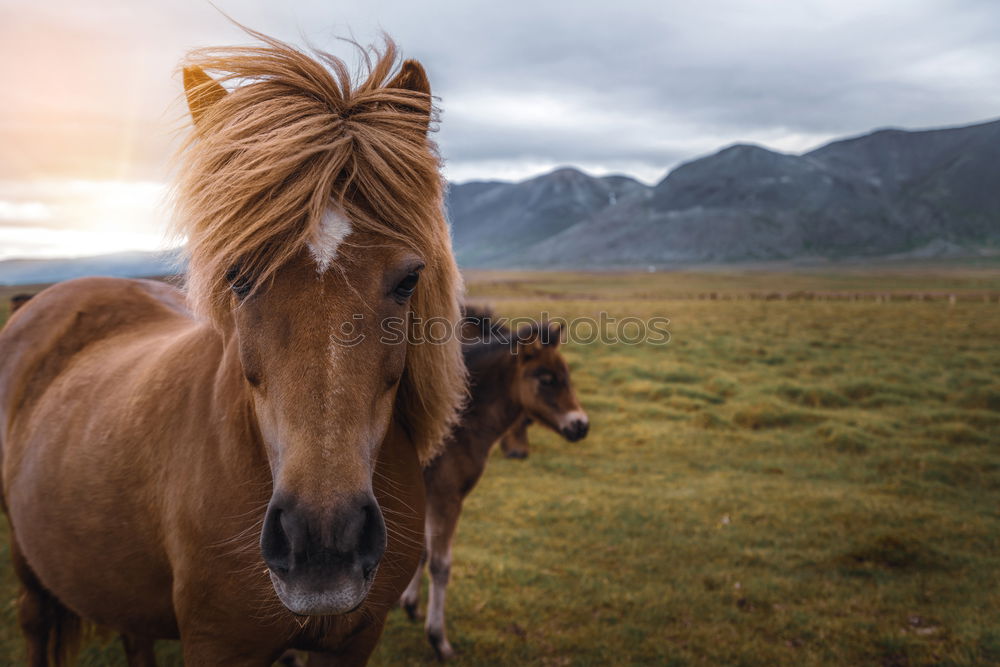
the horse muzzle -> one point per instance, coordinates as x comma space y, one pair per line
322, 562
574, 425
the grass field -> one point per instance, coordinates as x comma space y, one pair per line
785, 482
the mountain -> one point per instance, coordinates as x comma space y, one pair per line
513, 217
890, 192
120, 265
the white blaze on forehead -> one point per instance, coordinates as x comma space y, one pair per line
331, 232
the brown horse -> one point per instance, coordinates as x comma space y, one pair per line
245, 475
514, 443
512, 375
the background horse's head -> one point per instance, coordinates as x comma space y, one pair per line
542, 383
313, 213
18, 301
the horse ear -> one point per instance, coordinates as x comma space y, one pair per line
202, 91
552, 336
528, 341
412, 77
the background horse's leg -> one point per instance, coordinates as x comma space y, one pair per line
138, 651
41, 616
32, 616
440, 530
410, 599
355, 653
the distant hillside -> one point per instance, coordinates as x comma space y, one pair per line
891, 192
504, 219
120, 265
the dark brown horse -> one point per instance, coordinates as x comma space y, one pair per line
18, 301
513, 376
226, 467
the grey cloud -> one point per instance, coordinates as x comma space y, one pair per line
637, 82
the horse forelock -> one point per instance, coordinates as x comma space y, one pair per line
296, 138
299, 155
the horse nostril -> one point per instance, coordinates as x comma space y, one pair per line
582, 427
301, 542
275, 546
372, 540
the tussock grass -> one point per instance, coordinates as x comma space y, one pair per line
986, 398
892, 551
957, 434
813, 397
844, 438
710, 420
988, 421
772, 415
784, 483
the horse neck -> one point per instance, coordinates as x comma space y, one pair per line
493, 407
232, 398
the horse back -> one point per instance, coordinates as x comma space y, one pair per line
44, 338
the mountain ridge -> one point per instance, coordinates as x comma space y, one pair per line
885, 193
889, 193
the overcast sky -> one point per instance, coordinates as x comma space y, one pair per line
90, 90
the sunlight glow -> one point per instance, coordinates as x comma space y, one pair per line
76, 218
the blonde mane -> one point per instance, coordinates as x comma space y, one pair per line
295, 137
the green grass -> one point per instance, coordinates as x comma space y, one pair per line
785, 482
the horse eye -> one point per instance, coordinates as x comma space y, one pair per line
241, 285
404, 290
547, 379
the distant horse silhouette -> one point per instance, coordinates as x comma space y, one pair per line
243, 478
18, 300
513, 376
